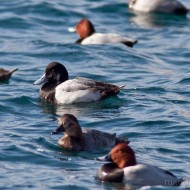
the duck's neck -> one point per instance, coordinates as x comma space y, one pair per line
51, 85
79, 41
48, 87
77, 134
73, 130
127, 163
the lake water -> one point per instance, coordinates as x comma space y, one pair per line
153, 110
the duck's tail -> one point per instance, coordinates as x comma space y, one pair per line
111, 91
129, 43
119, 140
122, 86
180, 182
11, 72
119, 88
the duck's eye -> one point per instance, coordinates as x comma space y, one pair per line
120, 151
49, 73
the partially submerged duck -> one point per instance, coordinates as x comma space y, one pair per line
79, 139
57, 88
162, 6
88, 35
6, 74
124, 168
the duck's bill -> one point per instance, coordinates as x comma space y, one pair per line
41, 80
72, 29
58, 130
106, 158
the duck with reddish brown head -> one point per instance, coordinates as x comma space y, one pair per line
123, 167
88, 35
84, 29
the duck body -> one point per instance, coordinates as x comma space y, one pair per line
138, 175
57, 88
79, 139
124, 168
145, 175
88, 35
84, 90
99, 38
164, 6
91, 139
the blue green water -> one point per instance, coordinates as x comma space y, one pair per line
153, 110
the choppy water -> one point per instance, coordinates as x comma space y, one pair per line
153, 111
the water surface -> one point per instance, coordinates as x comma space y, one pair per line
152, 111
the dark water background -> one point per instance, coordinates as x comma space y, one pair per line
153, 111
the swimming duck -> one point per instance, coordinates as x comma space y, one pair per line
57, 88
5, 74
164, 6
88, 35
124, 168
79, 139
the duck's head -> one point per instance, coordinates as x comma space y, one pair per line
55, 73
84, 28
122, 155
68, 124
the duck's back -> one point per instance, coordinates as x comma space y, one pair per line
97, 139
99, 38
76, 90
84, 90
169, 6
144, 174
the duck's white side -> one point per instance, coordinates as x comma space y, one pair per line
144, 174
166, 6
99, 38
76, 90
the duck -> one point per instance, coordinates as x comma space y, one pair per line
164, 6
77, 139
57, 88
6, 74
123, 168
85, 29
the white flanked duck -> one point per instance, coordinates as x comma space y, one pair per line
123, 167
164, 6
57, 88
88, 35
79, 139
